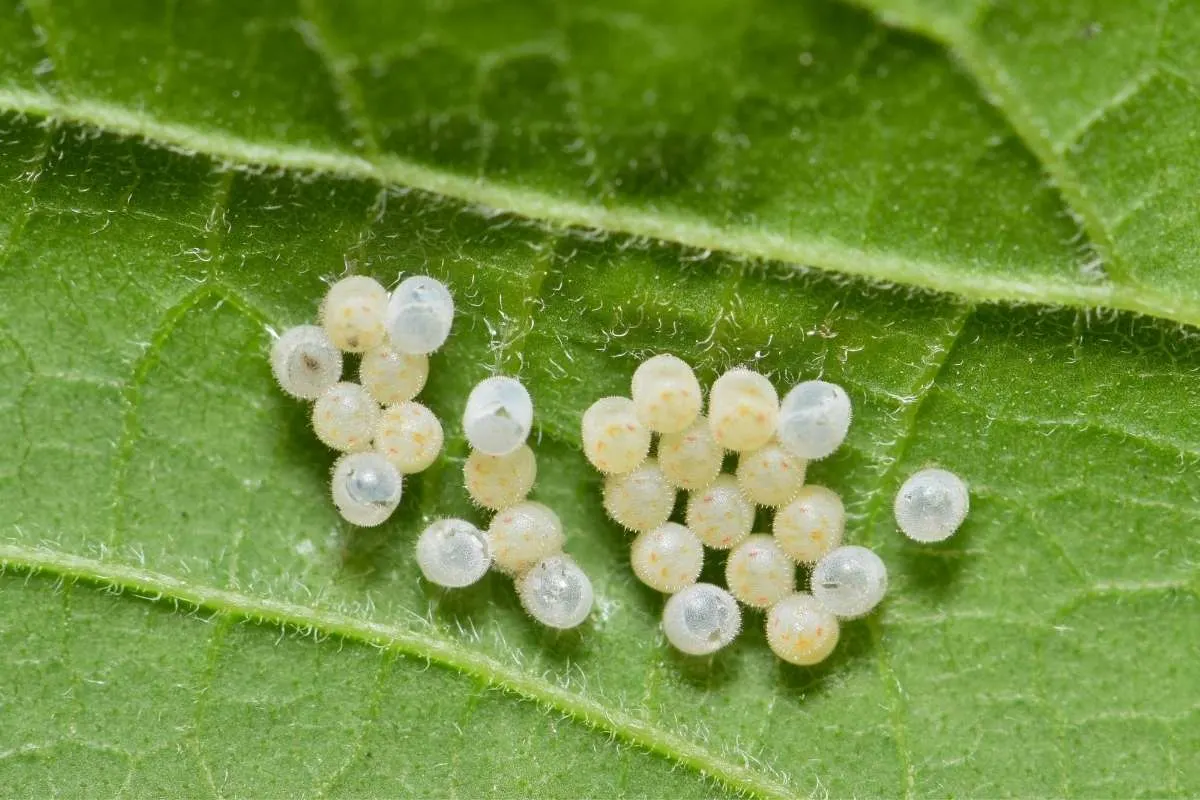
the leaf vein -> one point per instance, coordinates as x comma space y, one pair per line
445, 652
678, 227
937, 360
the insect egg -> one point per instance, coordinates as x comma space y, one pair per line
667, 558
770, 475
614, 439
499, 416
556, 592
524, 534
743, 408
666, 394
850, 581
393, 377
409, 435
720, 514
701, 619
497, 482
453, 553
305, 362
811, 525
640, 500
352, 313
419, 315
759, 573
801, 631
345, 416
931, 505
814, 418
366, 488
691, 459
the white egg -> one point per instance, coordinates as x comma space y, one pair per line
814, 419
498, 416
410, 436
801, 631
352, 313
419, 315
305, 362
743, 408
366, 489
701, 619
667, 558
849, 582
811, 525
770, 476
497, 482
453, 553
720, 514
556, 592
345, 416
666, 394
691, 459
392, 377
640, 500
524, 534
759, 573
931, 505
614, 439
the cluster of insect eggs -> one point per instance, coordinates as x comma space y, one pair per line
774, 441
524, 538
525, 542
385, 434
378, 426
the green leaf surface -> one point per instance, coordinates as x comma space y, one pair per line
1107, 95
798, 131
175, 180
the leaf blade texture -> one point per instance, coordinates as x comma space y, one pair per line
175, 182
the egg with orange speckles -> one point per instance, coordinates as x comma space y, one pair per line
743, 410
758, 572
345, 416
352, 313
667, 558
666, 394
640, 500
409, 436
811, 525
523, 535
720, 514
691, 459
800, 631
770, 476
497, 482
614, 440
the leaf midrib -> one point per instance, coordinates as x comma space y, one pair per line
159, 588
689, 231
1000, 89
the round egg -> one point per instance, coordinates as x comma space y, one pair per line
345, 417
701, 619
667, 558
666, 394
743, 409
305, 362
419, 315
720, 514
691, 459
524, 534
614, 440
640, 500
352, 313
